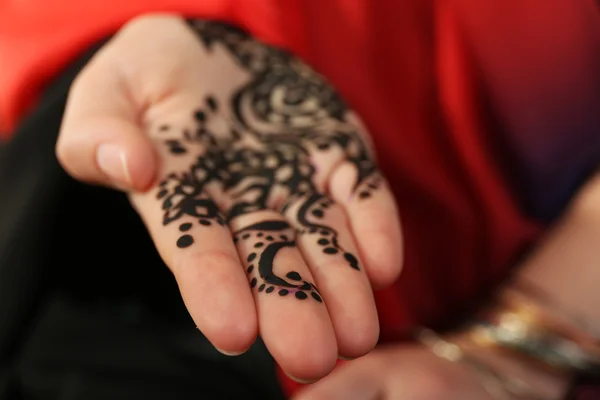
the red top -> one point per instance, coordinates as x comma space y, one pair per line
419, 73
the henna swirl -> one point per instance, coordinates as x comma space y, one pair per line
266, 136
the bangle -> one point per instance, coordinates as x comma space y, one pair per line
519, 325
533, 292
498, 386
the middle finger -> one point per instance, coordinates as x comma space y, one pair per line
293, 321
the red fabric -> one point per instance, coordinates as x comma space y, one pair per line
412, 69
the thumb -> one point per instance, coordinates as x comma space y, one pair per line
101, 140
350, 382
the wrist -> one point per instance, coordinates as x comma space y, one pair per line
525, 336
546, 382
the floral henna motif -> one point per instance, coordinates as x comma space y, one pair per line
262, 142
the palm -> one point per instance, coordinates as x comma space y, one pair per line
272, 169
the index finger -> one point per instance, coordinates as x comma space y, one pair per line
193, 239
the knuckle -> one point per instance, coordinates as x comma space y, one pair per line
188, 265
365, 338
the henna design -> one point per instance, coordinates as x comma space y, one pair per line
259, 145
274, 235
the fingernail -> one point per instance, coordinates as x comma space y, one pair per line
230, 353
301, 381
112, 161
346, 358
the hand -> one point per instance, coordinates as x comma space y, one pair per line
254, 180
415, 372
398, 373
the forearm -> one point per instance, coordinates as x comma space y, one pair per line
565, 266
564, 269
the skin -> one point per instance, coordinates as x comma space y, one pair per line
399, 372
124, 127
564, 266
412, 372
146, 95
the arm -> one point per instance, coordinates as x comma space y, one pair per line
565, 269
257, 185
566, 265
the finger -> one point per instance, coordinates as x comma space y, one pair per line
100, 140
194, 241
354, 381
328, 248
293, 320
152, 67
373, 218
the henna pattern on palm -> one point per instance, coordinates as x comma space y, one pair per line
285, 113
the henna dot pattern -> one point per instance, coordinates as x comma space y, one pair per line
351, 260
175, 147
301, 295
185, 227
264, 275
287, 112
185, 241
293, 275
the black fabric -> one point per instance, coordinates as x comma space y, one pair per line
87, 308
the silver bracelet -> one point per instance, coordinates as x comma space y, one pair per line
519, 324
498, 386
541, 345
